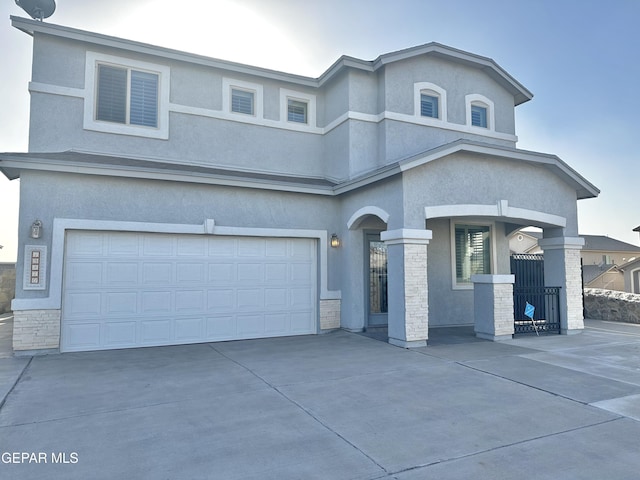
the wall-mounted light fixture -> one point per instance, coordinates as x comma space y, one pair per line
335, 241
36, 229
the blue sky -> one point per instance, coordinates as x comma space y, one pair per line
580, 58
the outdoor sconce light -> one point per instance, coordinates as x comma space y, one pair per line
36, 229
335, 241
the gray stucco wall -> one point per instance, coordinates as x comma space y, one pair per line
48, 195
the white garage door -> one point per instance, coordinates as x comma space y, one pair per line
137, 289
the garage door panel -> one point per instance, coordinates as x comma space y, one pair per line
117, 334
121, 303
123, 244
155, 332
189, 329
190, 301
137, 289
83, 273
222, 273
156, 302
83, 304
122, 274
82, 337
157, 273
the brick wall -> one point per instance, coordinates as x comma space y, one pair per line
36, 329
329, 314
7, 286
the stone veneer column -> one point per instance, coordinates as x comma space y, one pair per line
493, 306
407, 286
562, 269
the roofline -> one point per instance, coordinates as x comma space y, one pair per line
14, 162
488, 65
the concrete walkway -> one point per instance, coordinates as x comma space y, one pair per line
335, 406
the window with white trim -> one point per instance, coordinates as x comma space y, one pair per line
480, 111
479, 116
242, 101
244, 98
430, 101
472, 252
296, 111
125, 96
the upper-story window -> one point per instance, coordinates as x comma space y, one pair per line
296, 111
297, 108
480, 111
479, 116
242, 97
242, 101
430, 101
125, 96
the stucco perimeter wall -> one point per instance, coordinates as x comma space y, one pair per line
7, 286
611, 305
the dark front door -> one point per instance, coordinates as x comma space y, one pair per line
377, 281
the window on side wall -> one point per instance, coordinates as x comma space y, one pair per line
127, 96
296, 111
472, 252
429, 103
242, 101
479, 116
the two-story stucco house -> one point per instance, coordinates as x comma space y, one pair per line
172, 198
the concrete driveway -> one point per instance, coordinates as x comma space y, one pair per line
335, 406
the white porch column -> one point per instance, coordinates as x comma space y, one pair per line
493, 306
562, 269
407, 286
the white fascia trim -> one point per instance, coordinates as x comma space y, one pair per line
441, 93
258, 101
90, 85
354, 221
500, 210
406, 236
158, 174
208, 227
309, 99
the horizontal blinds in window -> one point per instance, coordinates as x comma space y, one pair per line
297, 111
144, 99
428, 106
242, 102
111, 102
473, 251
478, 116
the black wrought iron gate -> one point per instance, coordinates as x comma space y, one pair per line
529, 288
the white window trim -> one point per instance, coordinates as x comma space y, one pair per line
90, 97
430, 89
229, 84
452, 240
309, 99
481, 100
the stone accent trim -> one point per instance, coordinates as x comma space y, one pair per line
36, 329
493, 306
329, 314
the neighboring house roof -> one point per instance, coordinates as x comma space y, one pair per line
592, 272
607, 244
488, 65
101, 164
637, 229
632, 265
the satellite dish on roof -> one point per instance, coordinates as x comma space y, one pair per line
38, 9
